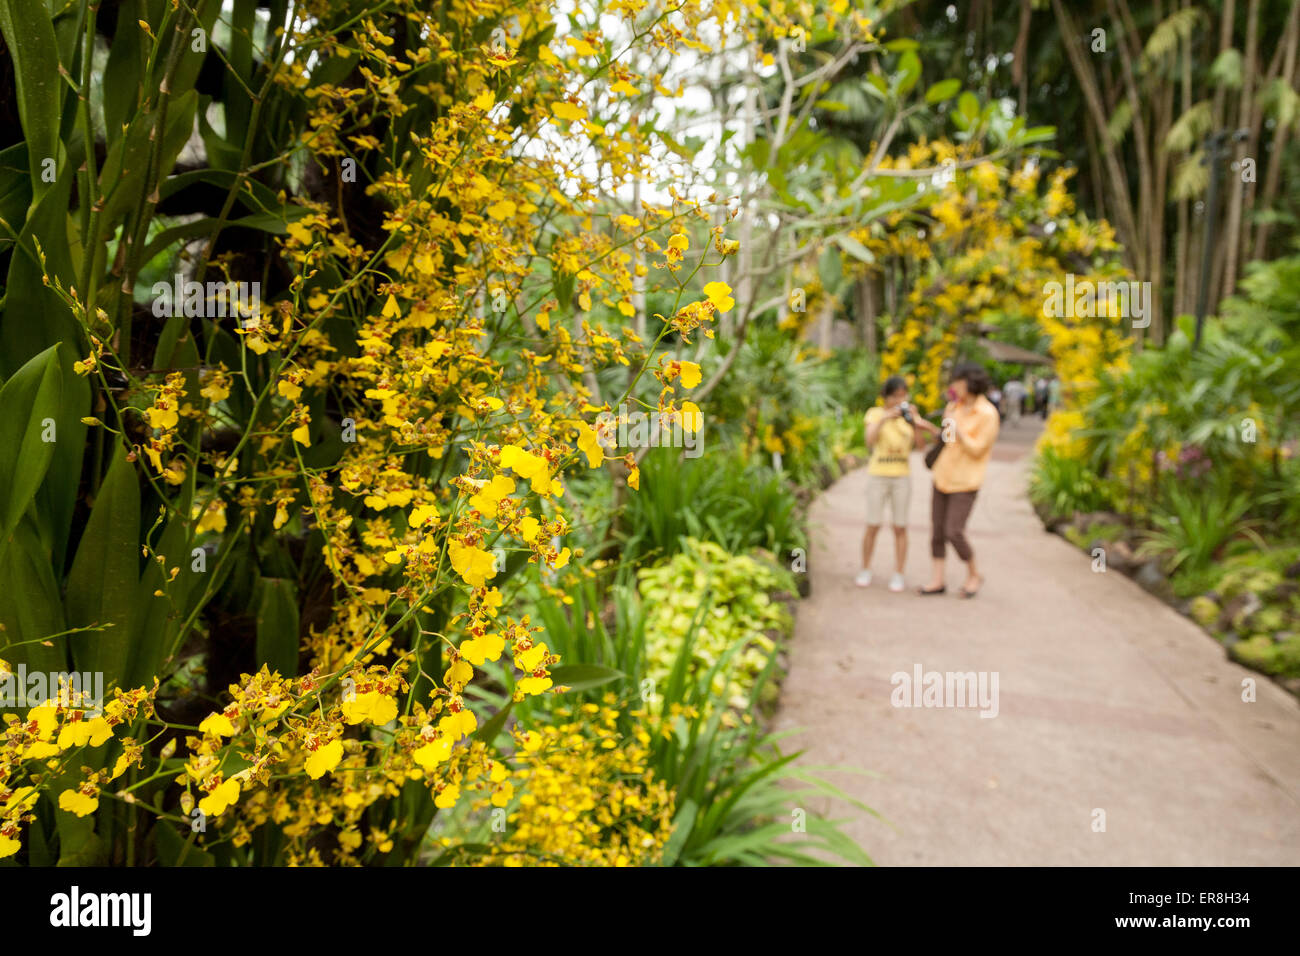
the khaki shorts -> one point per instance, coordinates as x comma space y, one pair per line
897, 491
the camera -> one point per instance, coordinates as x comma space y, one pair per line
905, 409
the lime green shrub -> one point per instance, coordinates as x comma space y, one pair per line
738, 612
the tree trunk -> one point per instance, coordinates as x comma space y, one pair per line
1281, 134
1182, 277
1160, 201
1245, 118
1125, 221
1229, 14
1020, 57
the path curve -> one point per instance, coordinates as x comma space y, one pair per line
1107, 700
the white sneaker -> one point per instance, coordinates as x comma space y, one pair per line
896, 583
863, 579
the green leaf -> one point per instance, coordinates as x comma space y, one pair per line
221, 154
830, 270
156, 623
563, 285
29, 36
277, 625
488, 732
30, 606
683, 823
1226, 70
32, 400
173, 850
968, 105
79, 844
454, 853
237, 104
910, 64
56, 499
105, 573
683, 150
34, 317
15, 185
943, 90
121, 83
584, 676
1036, 134
854, 248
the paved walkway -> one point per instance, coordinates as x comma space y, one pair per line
1107, 700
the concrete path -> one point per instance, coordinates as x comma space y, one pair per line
1108, 700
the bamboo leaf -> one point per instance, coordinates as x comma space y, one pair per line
1226, 70
1189, 128
1118, 123
1164, 38
1190, 179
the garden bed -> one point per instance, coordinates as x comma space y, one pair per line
1252, 607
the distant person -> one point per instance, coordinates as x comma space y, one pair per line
1013, 399
995, 396
891, 435
1054, 394
971, 427
1040, 397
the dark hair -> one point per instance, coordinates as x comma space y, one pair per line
893, 384
975, 376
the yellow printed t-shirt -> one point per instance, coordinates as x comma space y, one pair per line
889, 455
960, 468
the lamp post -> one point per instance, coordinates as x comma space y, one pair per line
1216, 151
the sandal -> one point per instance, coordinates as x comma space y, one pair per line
926, 592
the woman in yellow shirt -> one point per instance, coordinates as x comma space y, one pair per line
971, 425
891, 434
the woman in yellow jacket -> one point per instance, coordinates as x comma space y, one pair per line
971, 424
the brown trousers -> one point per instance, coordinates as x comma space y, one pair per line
948, 514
